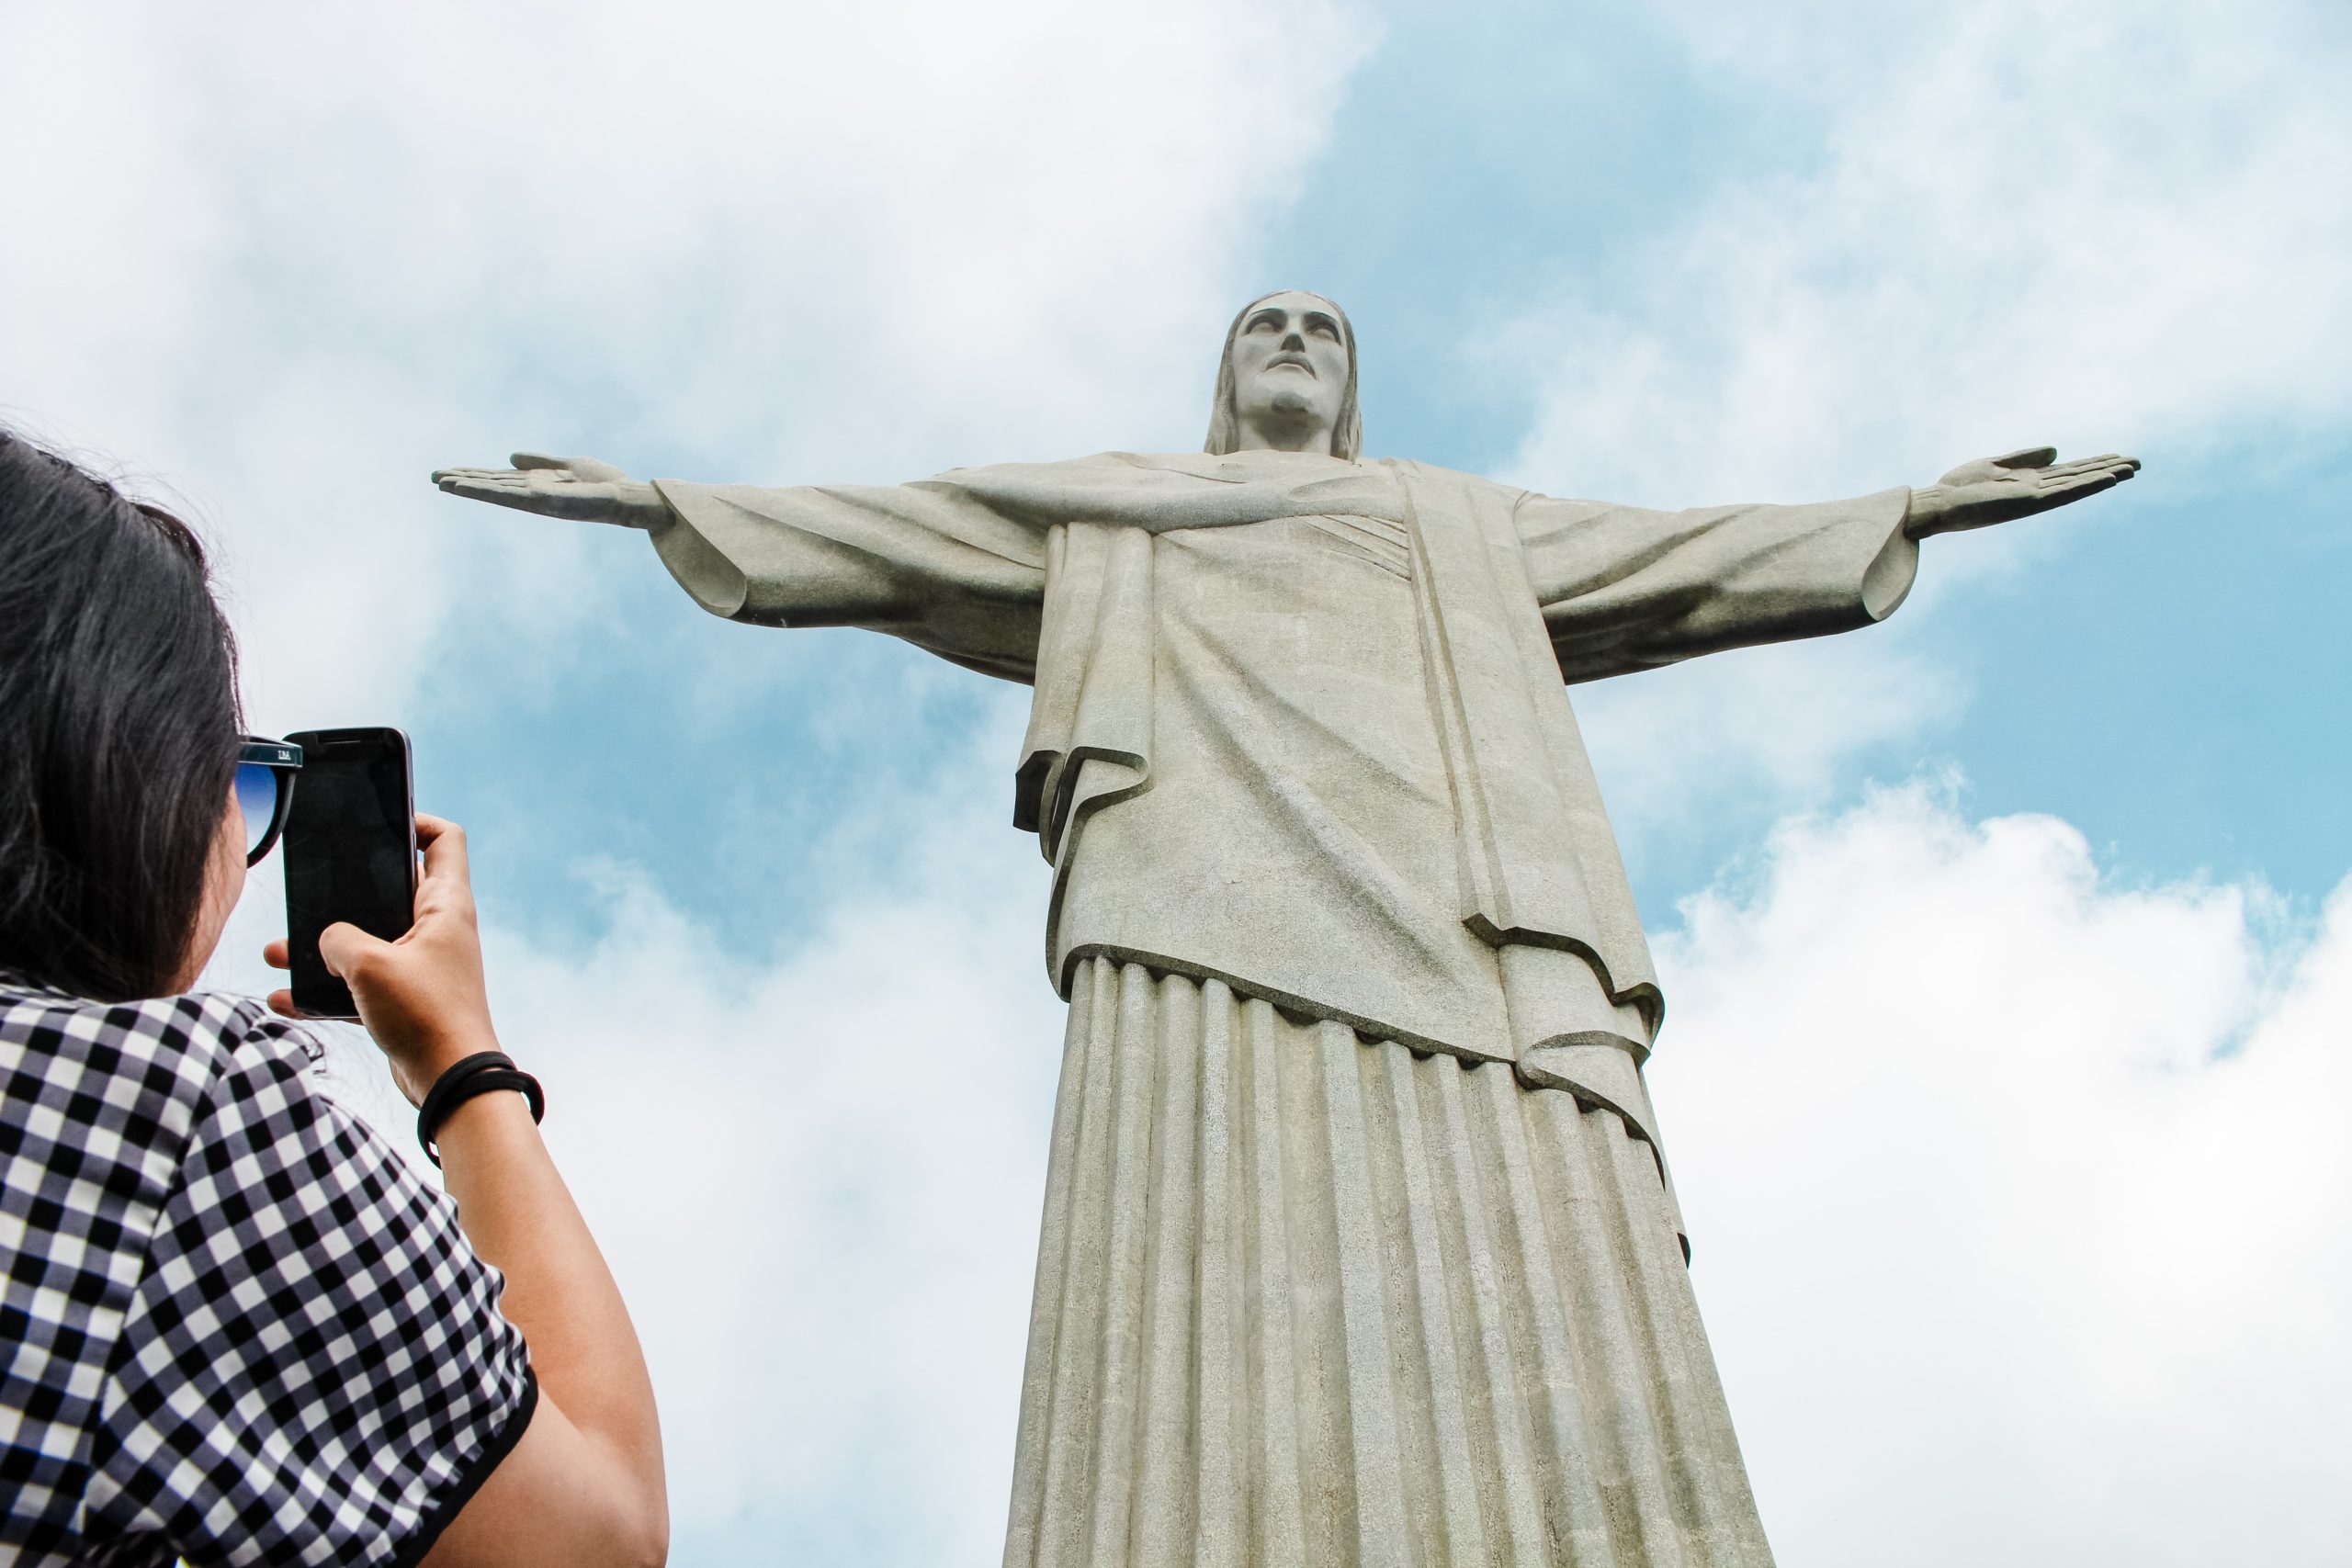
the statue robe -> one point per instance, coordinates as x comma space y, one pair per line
1297, 724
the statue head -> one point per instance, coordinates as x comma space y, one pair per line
1288, 380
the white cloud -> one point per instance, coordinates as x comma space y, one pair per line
2018, 1199
825, 1213
293, 258
2108, 225
1744, 734
2099, 224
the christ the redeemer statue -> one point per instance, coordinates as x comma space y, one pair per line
1359, 1247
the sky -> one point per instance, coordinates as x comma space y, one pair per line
2008, 945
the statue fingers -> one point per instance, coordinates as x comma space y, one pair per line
2100, 464
2109, 468
2074, 489
2026, 457
2067, 471
500, 490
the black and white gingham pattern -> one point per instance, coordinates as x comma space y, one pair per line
235, 1325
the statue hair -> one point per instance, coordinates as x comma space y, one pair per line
1225, 415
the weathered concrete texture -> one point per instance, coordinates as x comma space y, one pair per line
1308, 1299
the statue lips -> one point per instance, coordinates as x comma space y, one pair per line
1297, 359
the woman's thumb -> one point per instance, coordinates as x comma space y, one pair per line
344, 946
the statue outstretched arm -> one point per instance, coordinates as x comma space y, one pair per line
1624, 588
930, 562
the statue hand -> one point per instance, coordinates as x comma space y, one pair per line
2018, 484
580, 489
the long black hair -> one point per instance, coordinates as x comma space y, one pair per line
118, 726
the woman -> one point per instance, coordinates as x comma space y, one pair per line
235, 1325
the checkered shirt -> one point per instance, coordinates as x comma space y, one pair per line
235, 1325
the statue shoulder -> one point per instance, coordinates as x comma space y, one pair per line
1099, 464
1157, 469
1434, 470
1414, 468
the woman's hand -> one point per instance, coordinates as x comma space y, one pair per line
423, 997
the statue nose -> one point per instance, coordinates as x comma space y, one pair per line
1293, 342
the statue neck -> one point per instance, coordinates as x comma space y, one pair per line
1275, 434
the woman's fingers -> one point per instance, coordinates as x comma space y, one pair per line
282, 1004
446, 887
443, 844
275, 955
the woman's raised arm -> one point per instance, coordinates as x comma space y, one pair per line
584, 1487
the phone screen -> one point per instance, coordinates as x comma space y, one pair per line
350, 849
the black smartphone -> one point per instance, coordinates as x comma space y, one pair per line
350, 849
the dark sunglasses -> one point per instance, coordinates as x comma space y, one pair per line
266, 771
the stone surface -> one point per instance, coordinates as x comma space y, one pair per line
1301, 759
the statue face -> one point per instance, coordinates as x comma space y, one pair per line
1289, 366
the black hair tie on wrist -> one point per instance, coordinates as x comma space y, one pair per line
485, 1072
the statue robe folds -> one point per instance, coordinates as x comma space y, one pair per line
1297, 723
